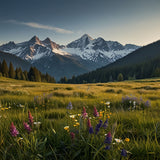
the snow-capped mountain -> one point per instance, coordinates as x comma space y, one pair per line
82, 55
90, 49
33, 49
85, 47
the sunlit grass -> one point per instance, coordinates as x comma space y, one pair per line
49, 140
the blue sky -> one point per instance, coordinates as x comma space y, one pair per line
126, 21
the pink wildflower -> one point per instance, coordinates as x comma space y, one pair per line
14, 132
84, 113
89, 123
30, 118
27, 127
95, 113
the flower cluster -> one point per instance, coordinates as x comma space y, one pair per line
95, 124
14, 132
133, 103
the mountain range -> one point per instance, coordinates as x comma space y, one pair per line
141, 63
80, 56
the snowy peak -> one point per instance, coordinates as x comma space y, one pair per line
34, 40
8, 46
81, 42
50, 44
114, 45
100, 44
86, 36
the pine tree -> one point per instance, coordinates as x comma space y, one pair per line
26, 75
11, 71
120, 77
31, 75
4, 69
47, 77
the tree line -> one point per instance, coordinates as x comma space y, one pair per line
143, 70
32, 75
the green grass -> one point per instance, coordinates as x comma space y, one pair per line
48, 102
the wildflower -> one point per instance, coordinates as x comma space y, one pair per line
14, 132
127, 139
66, 128
88, 123
107, 103
91, 130
98, 126
84, 113
100, 114
95, 113
30, 118
124, 152
108, 139
105, 125
70, 106
118, 140
107, 147
37, 124
27, 127
77, 124
72, 135
79, 115
147, 103
72, 116
75, 120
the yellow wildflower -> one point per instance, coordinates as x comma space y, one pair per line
127, 139
77, 124
66, 128
79, 115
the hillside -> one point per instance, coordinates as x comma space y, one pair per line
16, 61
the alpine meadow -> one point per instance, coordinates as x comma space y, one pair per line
80, 80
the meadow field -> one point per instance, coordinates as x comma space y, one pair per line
116, 120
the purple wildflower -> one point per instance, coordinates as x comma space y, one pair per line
95, 113
14, 132
27, 127
108, 139
30, 118
107, 147
124, 152
69, 106
98, 126
105, 125
91, 130
84, 113
147, 103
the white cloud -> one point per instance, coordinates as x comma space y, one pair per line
41, 26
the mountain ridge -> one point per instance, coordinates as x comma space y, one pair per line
85, 54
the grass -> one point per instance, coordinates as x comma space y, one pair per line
48, 102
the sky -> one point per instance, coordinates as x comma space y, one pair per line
125, 21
